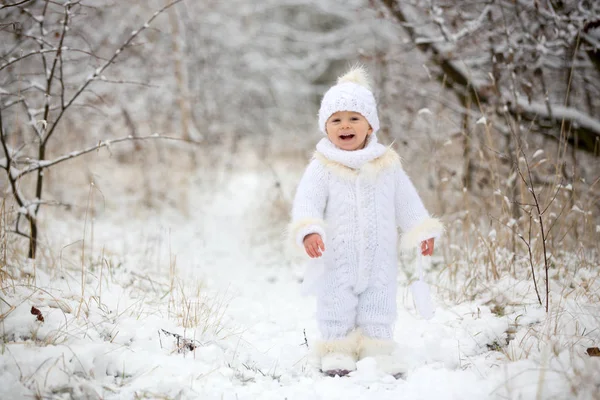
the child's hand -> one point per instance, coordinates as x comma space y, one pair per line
427, 247
313, 244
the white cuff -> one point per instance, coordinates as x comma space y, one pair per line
299, 229
429, 228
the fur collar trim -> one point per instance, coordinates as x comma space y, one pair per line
389, 159
352, 159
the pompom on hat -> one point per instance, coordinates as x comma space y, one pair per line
351, 93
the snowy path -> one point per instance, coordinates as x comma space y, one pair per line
267, 306
273, 314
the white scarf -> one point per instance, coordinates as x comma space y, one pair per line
354, 159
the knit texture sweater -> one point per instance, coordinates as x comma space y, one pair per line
357, 200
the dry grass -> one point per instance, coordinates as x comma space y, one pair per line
494, 245
195, 309
74, 292
87, 260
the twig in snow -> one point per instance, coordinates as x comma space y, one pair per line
305, 343
183, 344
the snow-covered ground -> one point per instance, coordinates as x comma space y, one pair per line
217, 279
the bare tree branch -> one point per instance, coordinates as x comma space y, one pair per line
17, 232
14, 4
100, 69
527, 243
41, 164
45, 203
531, 189
32, 121
24, 56
44, 51
42, 33
63, 34
53, 99
144, 84
11, 178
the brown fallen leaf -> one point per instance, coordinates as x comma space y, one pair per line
38, 313
593, 352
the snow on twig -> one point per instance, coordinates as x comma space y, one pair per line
470, 28
28, 207
24, 56
105, 143
560, 112
63, 49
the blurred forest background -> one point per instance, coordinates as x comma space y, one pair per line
493, 105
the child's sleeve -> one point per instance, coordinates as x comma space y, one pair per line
411, 216
309, 204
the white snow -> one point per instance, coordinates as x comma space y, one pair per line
566, 187
577, 117
217, 278
577, 209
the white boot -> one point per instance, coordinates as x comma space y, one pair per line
385, 354
338, 357
340, 364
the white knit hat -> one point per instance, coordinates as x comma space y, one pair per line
351, 93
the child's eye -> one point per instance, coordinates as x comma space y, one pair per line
335, 120
354, 118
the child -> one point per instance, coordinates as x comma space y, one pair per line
348, 205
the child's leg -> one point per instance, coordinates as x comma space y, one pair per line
336, 315
336, 312
376, 311
376, 314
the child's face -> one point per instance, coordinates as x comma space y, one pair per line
348, 130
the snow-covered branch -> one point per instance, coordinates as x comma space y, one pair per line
28, 208
410, 21
31, 113
514, 56
14, 60
42, 164
469, 29
54, 37
559, 113
98, 71
63, 49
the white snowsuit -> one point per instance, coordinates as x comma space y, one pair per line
356, 200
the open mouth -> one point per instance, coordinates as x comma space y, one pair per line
347, 137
